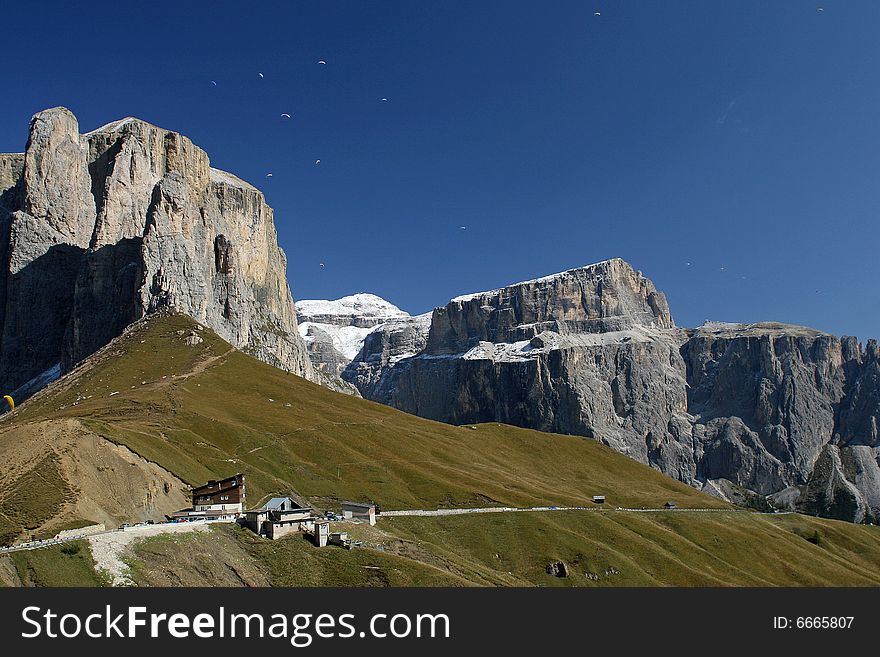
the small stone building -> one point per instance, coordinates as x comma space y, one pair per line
278, 522
282, 523
359, 511
322, 533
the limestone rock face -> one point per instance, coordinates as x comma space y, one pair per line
592, 351
57, 188
388, 344
607, 296
783, 384
789, 412
102, 228
771, 412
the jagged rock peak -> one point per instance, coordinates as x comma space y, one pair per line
102, 228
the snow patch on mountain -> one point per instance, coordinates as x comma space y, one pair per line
347, 340
334, 330
364, 305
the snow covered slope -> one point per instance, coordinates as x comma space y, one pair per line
362, 310
334, 331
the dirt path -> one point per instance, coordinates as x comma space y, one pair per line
108, 548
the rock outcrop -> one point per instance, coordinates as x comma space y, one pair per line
390, 343
100, 229
771, 413
591, 351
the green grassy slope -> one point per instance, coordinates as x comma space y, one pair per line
233, 556
650, 549
207, 411
70, 564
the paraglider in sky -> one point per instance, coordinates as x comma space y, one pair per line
317, 161
285, 114
9, 401
321, 61
322, 265
384, 100
261, 75
214, 83
269, 175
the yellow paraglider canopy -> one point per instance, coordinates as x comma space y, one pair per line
10, 402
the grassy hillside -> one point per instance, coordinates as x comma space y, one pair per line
651, 549
70, 564
207, 411
237, 557
598, 549
119, 437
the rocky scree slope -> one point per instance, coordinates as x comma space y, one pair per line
98, 230
748, 412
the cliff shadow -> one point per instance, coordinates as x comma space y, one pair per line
105, 298
39, 301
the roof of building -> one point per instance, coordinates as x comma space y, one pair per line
216, 486
362, 505
276, 502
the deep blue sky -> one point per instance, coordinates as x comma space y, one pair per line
735, 134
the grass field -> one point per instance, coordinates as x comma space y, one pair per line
69, 564
640, 549
598, 549
207, 411
232, 556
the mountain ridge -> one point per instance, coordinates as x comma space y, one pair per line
594, 351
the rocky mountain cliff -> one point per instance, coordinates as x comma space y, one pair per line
766, 413
98, 230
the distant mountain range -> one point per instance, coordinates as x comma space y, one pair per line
769, 414
100, 230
